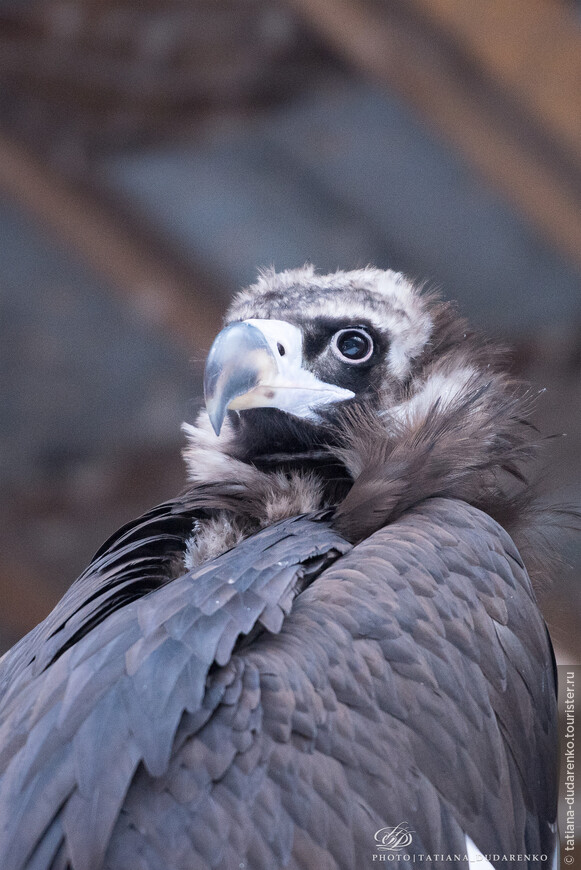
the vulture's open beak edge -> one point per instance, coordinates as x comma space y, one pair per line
259, 364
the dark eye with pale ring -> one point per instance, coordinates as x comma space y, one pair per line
353, 345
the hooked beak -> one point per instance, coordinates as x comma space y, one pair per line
258, 364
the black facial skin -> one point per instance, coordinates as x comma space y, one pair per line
326, 365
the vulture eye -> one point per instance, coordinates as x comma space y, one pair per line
352, 345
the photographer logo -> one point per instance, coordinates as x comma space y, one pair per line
393, 839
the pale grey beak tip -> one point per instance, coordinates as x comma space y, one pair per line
230, 370
216, 418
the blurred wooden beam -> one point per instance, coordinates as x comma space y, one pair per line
500, 81
160, 290
530, 48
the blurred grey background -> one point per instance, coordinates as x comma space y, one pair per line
153, 155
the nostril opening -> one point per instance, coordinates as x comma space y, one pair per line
280, 349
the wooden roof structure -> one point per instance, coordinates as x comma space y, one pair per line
167, 148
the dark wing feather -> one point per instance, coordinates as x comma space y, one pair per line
131, 563
411, 682
386, 697
77, 722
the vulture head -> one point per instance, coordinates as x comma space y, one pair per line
302, 345
354, 391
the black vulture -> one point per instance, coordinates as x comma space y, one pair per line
327, 652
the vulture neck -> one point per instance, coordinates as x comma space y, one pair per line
255, 475
370, 468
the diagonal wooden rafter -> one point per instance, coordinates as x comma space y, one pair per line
499, 81
159, 289
530, 48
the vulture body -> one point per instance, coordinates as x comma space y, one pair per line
327, 652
